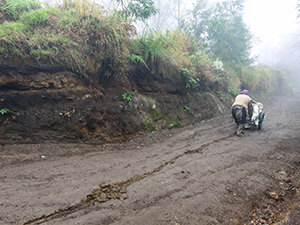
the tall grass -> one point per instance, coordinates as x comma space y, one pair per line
12, 9
261, 81
88, 43
174, 55
265, 81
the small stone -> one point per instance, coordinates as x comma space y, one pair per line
68, 114
104, 185
170, 126
111, 196
103, 196
274, 195
124, 196
263, 221
123, 190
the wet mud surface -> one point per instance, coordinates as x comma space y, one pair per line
199, 174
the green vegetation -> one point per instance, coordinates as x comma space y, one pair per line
37, 17
187, 109
85, 41
175, 55
136, 59
165, 122
172, 123
209, 53
12, 9
163, 53
137, 9
220, 28
150, 126
4, 111
156, 115
127, 97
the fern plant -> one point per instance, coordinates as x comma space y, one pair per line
133, 58
4, 111
127, 97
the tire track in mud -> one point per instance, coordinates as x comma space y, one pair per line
107, 192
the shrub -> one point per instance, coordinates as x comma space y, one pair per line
175, 56
150, 126
249, 77
38, 17
88, 43
12, 9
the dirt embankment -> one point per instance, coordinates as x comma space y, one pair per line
51, 104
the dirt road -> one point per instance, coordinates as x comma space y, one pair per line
200, 174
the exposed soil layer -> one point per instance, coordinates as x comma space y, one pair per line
198, 174
51, 105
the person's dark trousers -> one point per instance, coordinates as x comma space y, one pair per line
239, 119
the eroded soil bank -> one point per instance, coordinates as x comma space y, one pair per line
199, 174
51, 104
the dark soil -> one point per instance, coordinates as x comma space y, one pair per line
54, 105
199, 174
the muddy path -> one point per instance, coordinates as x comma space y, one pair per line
199, 174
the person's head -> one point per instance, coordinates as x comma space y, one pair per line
245, 92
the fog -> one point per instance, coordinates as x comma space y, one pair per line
276, 27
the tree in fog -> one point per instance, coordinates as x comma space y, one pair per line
229, 37
221, 30
197, 21
136, 9
178, 6
160, 20
170, 14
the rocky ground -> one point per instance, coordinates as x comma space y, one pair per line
198, 174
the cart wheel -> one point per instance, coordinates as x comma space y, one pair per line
259, 126
260, 123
